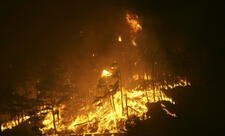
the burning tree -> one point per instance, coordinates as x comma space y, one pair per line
121, 94
55, 89
20, 112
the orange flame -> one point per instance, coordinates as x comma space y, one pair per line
106, 73
119, 39
110, 114
132, 20
104, 117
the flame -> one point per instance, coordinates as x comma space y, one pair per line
132, 20
13, 123
106, 117
119, 39
147, 77
109, 114
133, 42
135, 26
106, 73
48, 120
167, 111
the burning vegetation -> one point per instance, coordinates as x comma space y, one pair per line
124, 88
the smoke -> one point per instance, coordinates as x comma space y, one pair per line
37, 35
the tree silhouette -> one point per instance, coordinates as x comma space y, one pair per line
54, 89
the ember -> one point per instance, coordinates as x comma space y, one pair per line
106, 73
119, 39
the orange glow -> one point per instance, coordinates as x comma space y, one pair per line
135, 77
12, 123
110, 111
108, 119
147, 77
102, 116
106, 73
135, 26
132, 20
48, 120
134, 43
119, 39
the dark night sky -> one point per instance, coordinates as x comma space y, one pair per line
32, 32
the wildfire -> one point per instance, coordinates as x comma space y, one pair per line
108, 117
113, 120
109, 112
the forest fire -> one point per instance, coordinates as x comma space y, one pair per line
115, 104
115, 99
111, 68
109, 116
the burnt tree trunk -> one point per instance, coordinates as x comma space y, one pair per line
161, 98
154, 93
112, 103
22, 115
146, 93
53, 117
57, 114
18, 119
127, 107
121, 89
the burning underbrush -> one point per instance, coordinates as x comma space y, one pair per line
108, 111
121, 92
